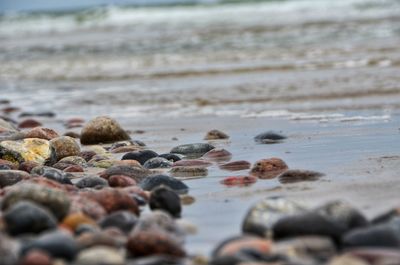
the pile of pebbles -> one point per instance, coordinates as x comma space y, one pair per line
69, 199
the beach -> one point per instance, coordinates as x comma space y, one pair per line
328, 81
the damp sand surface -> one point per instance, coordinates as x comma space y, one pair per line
360, 160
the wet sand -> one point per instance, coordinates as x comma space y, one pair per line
361, 160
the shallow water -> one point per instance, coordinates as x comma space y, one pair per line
241, 59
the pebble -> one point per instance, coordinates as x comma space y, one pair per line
216, 135
74, 135
376, 256
10, 177
121, 181
36, 257
113, 200
239, 180
56, 243
347, 259
155, 181
6, 126
47, 114
308, 223
53, 174
236, 165
41, 133
124, 220
218, 155
101, 255
65, 146
125, 149
263, 215
73, 220
163, 198
92, 182
140, 156
171, 157
269, 137
27, 166
147, 243
157, 162
268, 168
130, 163
29, 123
55, 200
295, 175
188, 171
9, 249
101, 238
74, 160
30, 149
192, 150
74, 168
102, 130
136, 173
192, 163
26, 217
343, 214
87, 155
88, 206
236, 244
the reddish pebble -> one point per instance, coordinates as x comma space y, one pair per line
27, 166
75, 120
42, 133
235, 245
72, 134
10, 109
74, 168
29, 123
268, 168
218, 154
121, 181
87, 155
239, 180
36, 257
74, 220
235, 165
7, 163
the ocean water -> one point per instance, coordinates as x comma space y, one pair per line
174, 59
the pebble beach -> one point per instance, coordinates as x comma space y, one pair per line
184, 135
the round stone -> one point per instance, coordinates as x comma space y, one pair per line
268, 168
102, 130
65, 146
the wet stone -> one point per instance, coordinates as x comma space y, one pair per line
101, 255
343, 214
27, 166
155, 181
236, 165
74, 168
126, 149
54, 200
157, 162
53, 174
192, 150
124, 220
57, 243
163, 198
308, 223
238, 243
192, 163
92, 182
47, 114
239, 180
262, 216
269, 137
171, 157
29, 123
121, 181
30, 149
27, 217
295, 175
268, 168
216, 135
74, 160
41, 133
102, 130
10, 177
65, 146
136, 173
146, 243
218, 155
140, 156
189, 171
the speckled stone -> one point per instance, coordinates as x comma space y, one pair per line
65, 146
41, 133
102, 130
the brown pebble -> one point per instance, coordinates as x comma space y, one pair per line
29, 123
10, 164
73, 135
42, 133
128, 162
218, 155
36, 257
73, 220
126, 149
295, 175
74, 168
235, 165
87, 155
187, 199
191, 162
268, 168
10, 109
216, 135
27, 166
88, 206
121, 181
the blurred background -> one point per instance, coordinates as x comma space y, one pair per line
173, 58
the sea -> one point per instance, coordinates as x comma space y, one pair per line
297, 59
